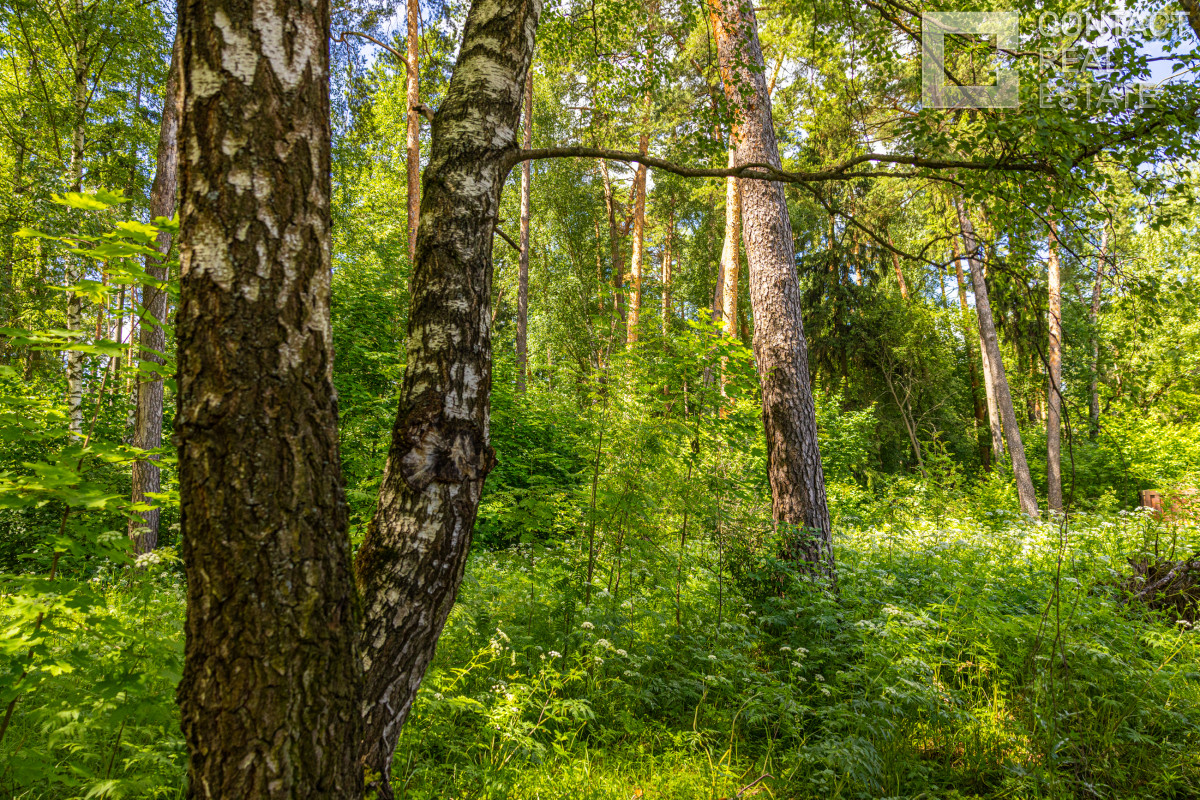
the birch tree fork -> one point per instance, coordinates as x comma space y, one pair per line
781, 352
270, 689
411, 562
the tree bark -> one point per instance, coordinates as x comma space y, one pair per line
1097, 288
639, 241
899, 274
411, 562
614, 246
523, 269
147, 433
985, 453
74, 358
789, 417
730, 252
412, 96
667, 255
995, 366
1054, 498
271, 685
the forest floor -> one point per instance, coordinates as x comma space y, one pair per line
968, 654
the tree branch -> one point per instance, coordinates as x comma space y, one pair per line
842, 171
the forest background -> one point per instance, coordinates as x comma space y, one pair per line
628, 625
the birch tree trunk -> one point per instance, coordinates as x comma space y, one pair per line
1097, 288
667, 256
639, 241
523, 268
271, 683
147, 432
411, 562
412, 96
1054, 498
985, 453
74, 358
789, 416
614, 247
730, 250
995, 366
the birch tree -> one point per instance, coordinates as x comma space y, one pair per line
271, 684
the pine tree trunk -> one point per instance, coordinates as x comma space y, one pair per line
147, 434
995, 365
1097, 288
1054, 498
411, 562
789, 417
523, 269
639, 243
270, 694
412, 96
899, 274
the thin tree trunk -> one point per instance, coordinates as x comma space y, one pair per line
985, 453
667, 255
411, 562
789, 416
270, 694
147, 433
1097, 287
730, 252
1054, 498
639, 240
614, 246
910, 424
899, 274
412, 97
995, 366
74, 358
523, 269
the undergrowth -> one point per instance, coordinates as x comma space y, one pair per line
978, 654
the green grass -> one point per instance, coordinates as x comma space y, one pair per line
971, 655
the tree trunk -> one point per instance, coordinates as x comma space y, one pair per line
667, 255
1097, 288
1054, 499
412, 96
639, 241
74, 358
147, 434
985, 454
271, 683
523, 269
899, 274
789, 416
411, 562
730, 252
995, 365
614, 246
